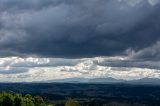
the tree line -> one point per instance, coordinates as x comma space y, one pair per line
14, 99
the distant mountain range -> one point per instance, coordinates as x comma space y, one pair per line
109, 80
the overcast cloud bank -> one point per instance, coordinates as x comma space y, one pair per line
50, 39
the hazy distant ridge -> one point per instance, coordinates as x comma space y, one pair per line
155, 81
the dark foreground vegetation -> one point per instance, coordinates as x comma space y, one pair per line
54, 94
13, 99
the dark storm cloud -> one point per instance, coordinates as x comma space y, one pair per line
84, 28
149, 53
130, 64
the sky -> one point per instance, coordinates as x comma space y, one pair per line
56, 39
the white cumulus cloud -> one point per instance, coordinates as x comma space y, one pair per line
16, 69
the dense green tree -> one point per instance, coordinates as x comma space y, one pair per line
27, 102
38, 101
52, 105
71, 102
28, 96
6, 101
12, 99
17, 101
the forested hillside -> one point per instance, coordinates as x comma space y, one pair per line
57, 94
13, 99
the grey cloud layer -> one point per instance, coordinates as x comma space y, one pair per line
13, 70
85, 28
